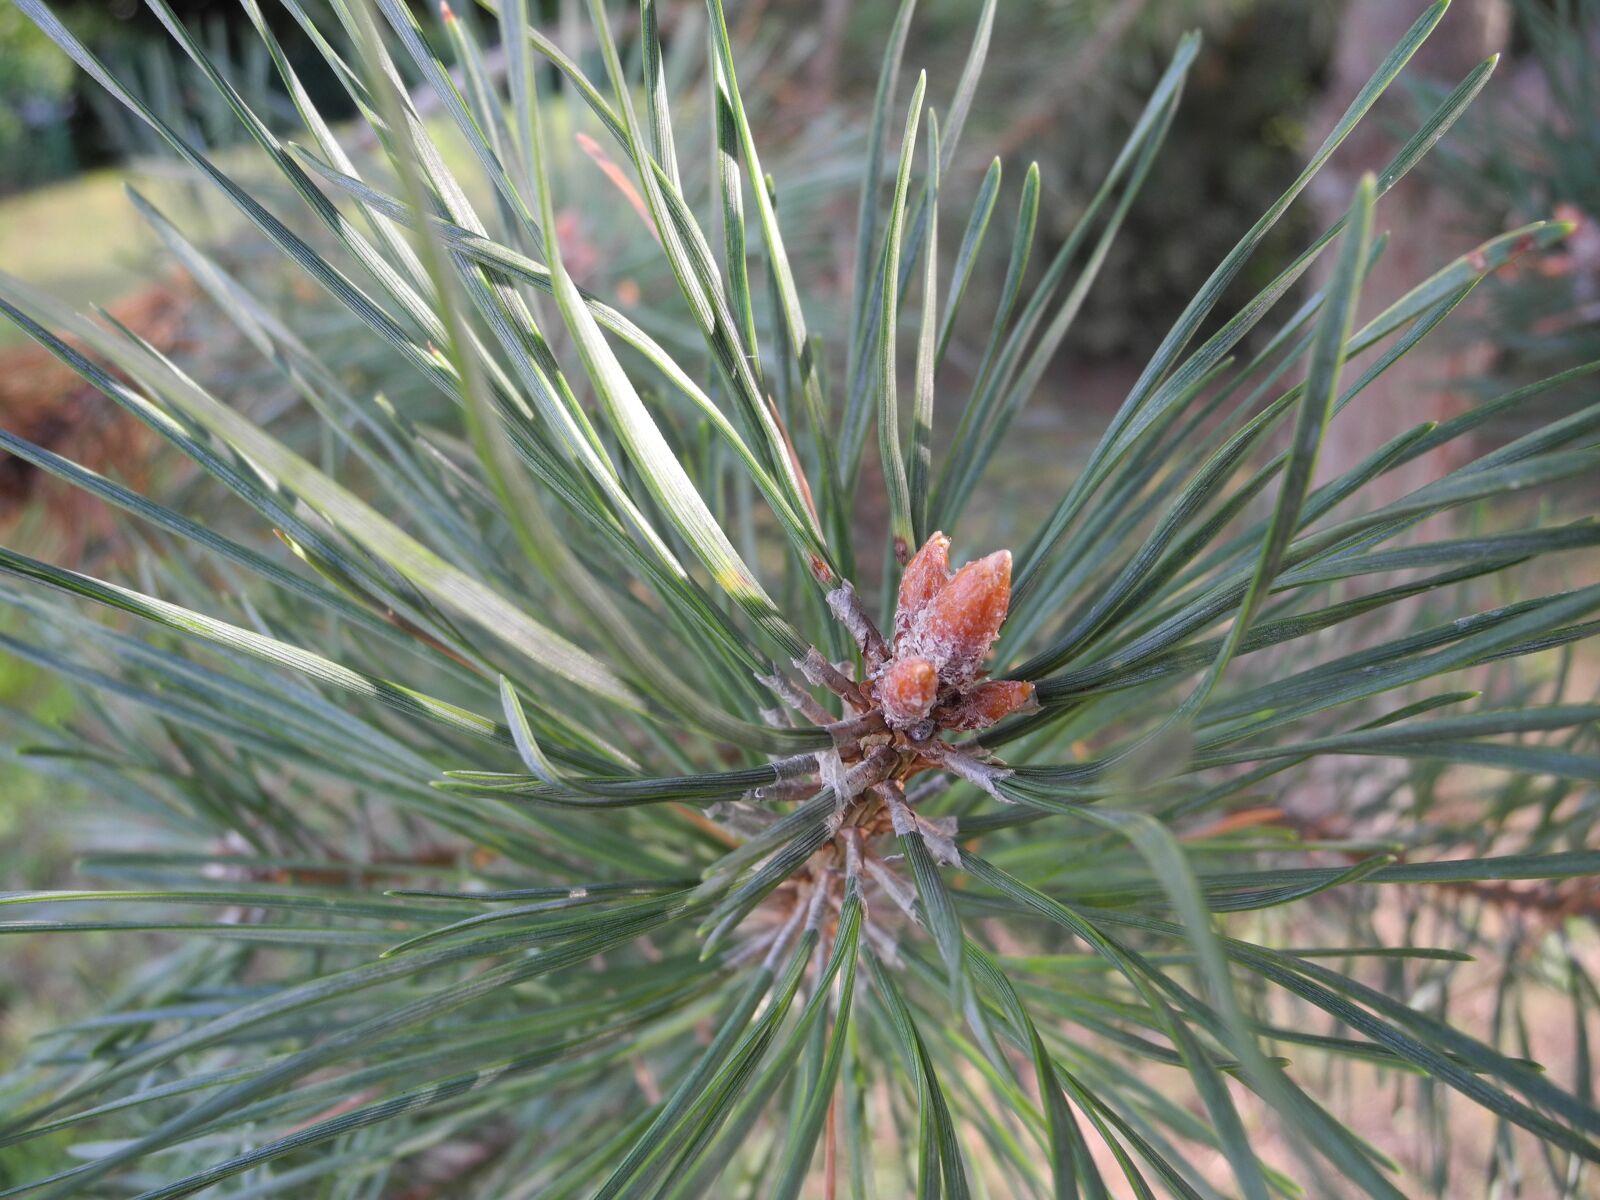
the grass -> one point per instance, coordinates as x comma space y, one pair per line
79, 238
82, 241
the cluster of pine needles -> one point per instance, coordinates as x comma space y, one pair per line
513, 765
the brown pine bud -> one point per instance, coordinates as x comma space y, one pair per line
959, 624
907, 690
925, 575
987, 704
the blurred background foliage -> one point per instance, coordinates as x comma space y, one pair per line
35, 86
1538, 151
1062, 98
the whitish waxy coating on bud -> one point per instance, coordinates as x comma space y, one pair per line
960, 622
943, 629
925, 574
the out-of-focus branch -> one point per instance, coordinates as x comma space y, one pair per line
1077, 72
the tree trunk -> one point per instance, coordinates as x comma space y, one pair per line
1426, 229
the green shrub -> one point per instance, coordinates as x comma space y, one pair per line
542, 812
34, 85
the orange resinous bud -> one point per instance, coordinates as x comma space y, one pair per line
943, 629
926, 573
987, 704
907, 690
959, 624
